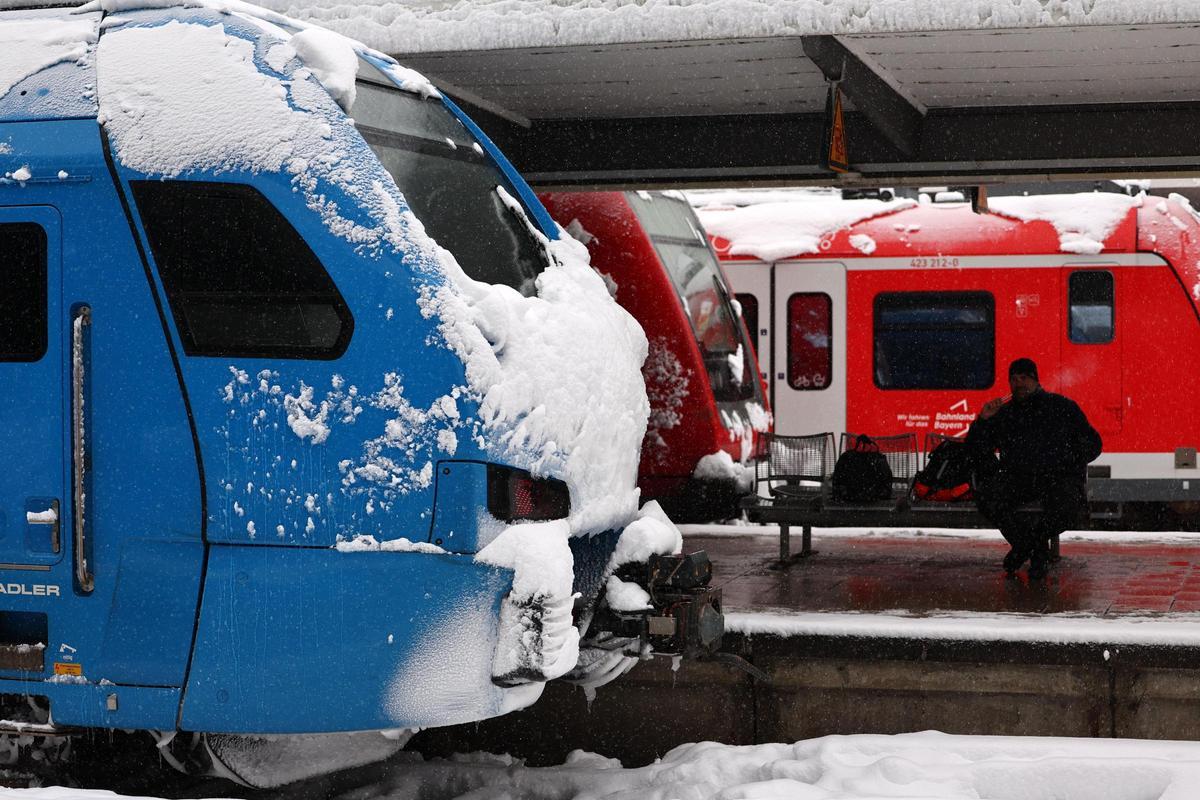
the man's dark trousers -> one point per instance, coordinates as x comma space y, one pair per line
1063, 499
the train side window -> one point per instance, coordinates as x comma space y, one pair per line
23, 315
935, 340
749, 304
1091, 307
239, 279
809, 341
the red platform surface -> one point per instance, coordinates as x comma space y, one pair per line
1101, 574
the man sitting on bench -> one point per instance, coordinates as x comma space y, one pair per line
1045, 443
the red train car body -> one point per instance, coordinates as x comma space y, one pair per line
900, 316
707, 401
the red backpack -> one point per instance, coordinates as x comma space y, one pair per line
948, 476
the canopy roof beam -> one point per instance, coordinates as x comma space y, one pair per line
959, 146
880, 99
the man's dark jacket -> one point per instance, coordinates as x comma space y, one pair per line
1044, 434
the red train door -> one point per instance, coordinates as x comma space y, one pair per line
1090, 370
809, 362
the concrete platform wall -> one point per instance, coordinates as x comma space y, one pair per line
841, 686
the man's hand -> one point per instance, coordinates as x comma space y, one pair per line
992, 406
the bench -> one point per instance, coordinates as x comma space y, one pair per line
797, 476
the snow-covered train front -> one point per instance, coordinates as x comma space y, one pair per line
312, 420
708, 410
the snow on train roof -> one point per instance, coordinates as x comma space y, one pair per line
771, 225
777, 228
54, 49
414, 26
1083, 221
45, 63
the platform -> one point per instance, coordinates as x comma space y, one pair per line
891, 631
1101, 573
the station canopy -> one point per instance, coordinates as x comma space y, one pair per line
644, 93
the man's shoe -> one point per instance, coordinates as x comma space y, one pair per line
1013, 561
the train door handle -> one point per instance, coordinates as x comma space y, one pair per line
49, 517
81, 323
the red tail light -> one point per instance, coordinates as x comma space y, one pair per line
514, 494
762, 446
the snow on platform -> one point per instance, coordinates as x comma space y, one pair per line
864, 767
1123, 588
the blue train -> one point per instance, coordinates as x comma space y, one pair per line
311, 421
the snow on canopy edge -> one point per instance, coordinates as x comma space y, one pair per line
437, 26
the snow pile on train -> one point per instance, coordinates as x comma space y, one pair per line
773, 225
777, 229
560, 373
1083, 222
557, 374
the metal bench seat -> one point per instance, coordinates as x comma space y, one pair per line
798, 472
822, 512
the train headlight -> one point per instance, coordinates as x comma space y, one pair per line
514, 494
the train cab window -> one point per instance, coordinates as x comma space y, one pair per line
1091, 307
23, 315
448, 181
935, 340
692, 268
749, 304
239, 279
809, 341
664, 215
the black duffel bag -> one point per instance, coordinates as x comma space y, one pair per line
862, 474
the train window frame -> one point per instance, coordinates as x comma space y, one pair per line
24, 336
310, 306
793, 379
931, 300
1072, 328
748, 301
670, 226
450, 182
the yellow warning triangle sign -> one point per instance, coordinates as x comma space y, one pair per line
837, 157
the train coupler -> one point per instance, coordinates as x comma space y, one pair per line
684, 617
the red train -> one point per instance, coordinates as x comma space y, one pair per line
707, 403
888, 317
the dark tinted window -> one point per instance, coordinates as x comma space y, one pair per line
809, 341
1091, 318
934, 340
240, 280
23, 294
749, 305
448, 182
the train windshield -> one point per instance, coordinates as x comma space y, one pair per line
684, 251
448, 181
